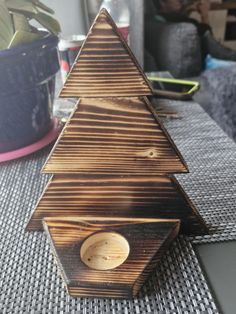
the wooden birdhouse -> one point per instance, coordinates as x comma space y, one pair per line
112, 206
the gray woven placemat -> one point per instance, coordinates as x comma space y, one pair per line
29, 278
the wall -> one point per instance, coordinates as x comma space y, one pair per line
73, 17
70, 14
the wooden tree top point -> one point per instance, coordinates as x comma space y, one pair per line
105, 65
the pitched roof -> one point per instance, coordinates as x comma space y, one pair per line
105, 66
114, 136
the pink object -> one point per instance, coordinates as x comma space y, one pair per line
47, 139
124, 32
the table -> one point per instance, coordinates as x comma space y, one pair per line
29, 277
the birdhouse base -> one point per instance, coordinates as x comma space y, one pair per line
108, 258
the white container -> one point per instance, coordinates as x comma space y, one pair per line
119, 11
69, 48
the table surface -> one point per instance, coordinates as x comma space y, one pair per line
29, 278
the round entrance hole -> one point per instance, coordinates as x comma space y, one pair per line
104, 250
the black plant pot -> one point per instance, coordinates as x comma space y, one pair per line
27, 86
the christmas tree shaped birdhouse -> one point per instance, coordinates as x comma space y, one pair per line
112, 206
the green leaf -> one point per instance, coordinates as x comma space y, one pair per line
5, 17
3, 44
18, 13
21, 22
6, 27
48, 22
22, 37
21, 6
43, 7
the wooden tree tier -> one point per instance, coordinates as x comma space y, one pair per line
114, 136
105, 66
96, 196
89, 271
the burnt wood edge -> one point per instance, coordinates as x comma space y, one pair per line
156, 259
156, 117
132, 56
59, 137
126, 220
190, 203
54, 251
27, 227
100, 293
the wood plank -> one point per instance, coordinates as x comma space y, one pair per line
114, 136
147, 240
98, 196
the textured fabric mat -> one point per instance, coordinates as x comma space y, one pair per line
29, 278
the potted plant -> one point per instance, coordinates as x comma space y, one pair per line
28, 64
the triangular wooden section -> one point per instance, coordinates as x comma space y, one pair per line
105, 65
145, 242
114, 136
144, 197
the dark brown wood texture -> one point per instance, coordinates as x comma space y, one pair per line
114, 136
148, 240
95, 196
113, 159
105, 66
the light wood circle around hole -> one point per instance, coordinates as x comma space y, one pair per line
104, 250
